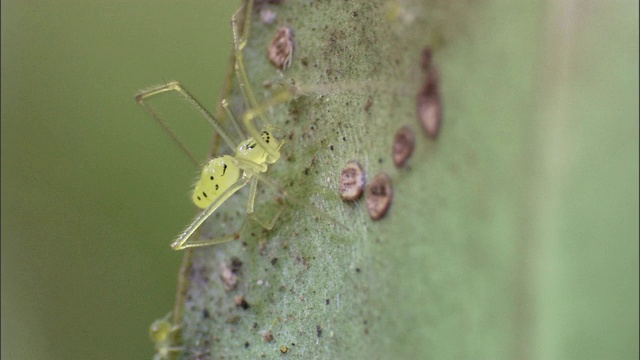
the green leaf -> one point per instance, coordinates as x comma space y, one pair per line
514, 234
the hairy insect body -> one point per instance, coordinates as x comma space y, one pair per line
222, 172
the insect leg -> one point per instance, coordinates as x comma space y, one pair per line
234, 121
251, 104
186, 239
250, 204
239, 42
143, 95
257, 111
252, 195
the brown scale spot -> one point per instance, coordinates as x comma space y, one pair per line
379, 195
352, 181
368, 104
403, 143
241, 302
229, 278
236, 264
268, 336
280, 51
429, 104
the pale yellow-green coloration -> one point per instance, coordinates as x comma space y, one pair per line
251, 150
223, 176
160, 333
217, 176
220, 173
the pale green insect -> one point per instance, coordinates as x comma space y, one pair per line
220, 173
160, 332
223, 176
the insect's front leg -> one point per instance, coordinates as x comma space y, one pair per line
240, 37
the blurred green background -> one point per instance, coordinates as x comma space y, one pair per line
92, 190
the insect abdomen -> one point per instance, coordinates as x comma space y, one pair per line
216, 177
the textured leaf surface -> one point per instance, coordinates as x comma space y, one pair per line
494, 245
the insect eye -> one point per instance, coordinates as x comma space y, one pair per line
211, 177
